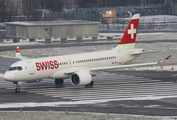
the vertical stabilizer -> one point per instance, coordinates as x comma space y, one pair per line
18, 55
129, 37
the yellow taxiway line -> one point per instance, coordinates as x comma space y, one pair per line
174, 75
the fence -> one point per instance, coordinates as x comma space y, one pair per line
81, 14
146, 24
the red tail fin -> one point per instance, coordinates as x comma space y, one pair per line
131, 31
129, 37
17, 50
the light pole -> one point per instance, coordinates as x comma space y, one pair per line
164, 23
106, 2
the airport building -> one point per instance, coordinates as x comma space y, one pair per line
48, 29
165, 6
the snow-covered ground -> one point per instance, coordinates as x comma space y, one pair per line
51, 115
155, 18
21, 44
75, 103
146, 23
148, 36
1, 75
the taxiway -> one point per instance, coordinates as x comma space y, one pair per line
123, 92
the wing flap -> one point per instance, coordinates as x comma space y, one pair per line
121, 66
107, 68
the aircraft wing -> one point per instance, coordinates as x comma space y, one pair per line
114, 67
109, 67
145, 53
122, 66
19, 56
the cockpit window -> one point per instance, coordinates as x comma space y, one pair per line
12, 68
15, 68
19, 68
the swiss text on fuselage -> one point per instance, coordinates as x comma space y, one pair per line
47, 65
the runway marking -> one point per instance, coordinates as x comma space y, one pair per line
105, 87
174, 75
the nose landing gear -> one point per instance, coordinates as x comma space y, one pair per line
17, 89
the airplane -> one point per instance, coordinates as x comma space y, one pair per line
80, 68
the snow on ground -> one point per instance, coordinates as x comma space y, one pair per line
154, 18
52, 115
139, 34
1, 75
154, 68
20, 44
74, 103
147, 23
148, 36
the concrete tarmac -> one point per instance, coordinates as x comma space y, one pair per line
124, 92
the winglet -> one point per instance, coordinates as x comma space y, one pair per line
18, 55
165, 59
168, 57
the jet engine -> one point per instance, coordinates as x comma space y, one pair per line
81, 78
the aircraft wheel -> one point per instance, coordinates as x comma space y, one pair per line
91, 84
56, 81
17, 90
59, 81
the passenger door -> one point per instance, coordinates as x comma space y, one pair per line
119, 55
31, 66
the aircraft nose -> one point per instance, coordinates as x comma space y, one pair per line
8, 76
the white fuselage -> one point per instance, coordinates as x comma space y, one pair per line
55, 67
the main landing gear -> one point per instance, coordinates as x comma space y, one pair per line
59, 81
17, 89
91, 84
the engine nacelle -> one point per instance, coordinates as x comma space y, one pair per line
81, 78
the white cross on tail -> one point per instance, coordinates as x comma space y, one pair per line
132, 31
